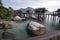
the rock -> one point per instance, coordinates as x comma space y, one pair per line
23, 19
35, 28
5, 26
34, 17
8, 26
7, 36
17, 18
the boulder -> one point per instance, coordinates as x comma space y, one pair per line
8, 36
5, 26
35, 28
17, 18
23, 19
34, 17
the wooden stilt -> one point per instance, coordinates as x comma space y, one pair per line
53, 38
58, 37
46, 39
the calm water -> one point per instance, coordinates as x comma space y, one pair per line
19, 33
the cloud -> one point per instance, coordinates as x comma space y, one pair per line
17, 4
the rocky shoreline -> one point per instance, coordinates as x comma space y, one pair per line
5, 25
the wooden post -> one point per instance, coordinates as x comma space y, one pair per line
24, 14
59, 19
48, 17
38, 16
53, 38
46, 39
58, 37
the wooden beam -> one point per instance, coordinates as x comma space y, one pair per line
45, 36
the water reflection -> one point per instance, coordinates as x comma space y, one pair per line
52, 19
51, 23
8, 36
58, 25
59, 19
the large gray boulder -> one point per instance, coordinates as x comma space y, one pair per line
36, 28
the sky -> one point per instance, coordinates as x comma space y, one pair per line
51, 5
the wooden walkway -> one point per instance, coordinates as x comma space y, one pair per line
47, 36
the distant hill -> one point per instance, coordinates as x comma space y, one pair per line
24, 10
28, 8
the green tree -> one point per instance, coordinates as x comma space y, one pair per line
11, 11
5, 13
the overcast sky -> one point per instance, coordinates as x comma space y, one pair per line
51, 5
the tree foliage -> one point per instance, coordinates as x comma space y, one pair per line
5, 13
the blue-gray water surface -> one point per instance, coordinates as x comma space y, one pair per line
18, 32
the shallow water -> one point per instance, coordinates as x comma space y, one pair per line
18, 31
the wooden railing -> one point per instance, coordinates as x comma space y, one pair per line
48, 36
